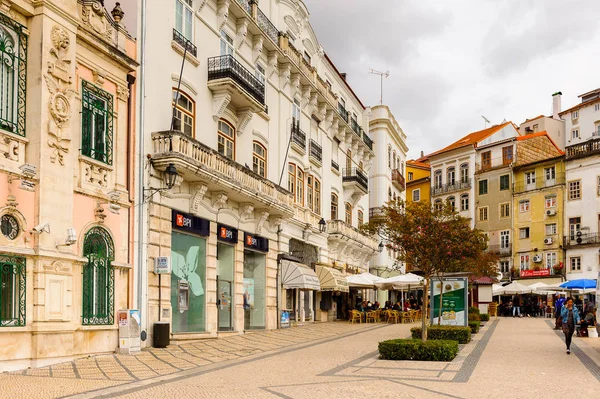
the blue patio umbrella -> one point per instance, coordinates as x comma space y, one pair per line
579, 284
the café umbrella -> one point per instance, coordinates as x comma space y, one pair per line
579, 284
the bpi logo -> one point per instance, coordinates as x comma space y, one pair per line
251, 241
182, 221
227, 234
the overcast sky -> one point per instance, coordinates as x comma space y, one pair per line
452, 61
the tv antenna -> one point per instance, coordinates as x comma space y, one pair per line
486, 122
381, 76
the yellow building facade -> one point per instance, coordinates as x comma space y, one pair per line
418, 181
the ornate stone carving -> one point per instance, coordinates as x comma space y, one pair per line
286, 73
246, 211
117, 13
257, 48
99, 213
122, 93
198, 191
244, 117
220, 200
93, 16
305, 97
222, 14
95, 175
312, 103
202, 4
276, 222
99, 77
220, 102
262, 217
9, 147
272, 63
295, 84
242, 31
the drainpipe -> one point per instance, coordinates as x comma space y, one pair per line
128, 186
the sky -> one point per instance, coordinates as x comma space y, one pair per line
451, 62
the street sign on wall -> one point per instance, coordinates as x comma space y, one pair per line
454, 301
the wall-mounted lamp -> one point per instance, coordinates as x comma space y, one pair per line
380, 246
71, 238
169, 177
322, 225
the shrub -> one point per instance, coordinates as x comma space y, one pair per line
474, 326
474, 317
484, 317
415, 349
453, 333
473, 309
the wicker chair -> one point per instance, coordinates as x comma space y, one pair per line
393, 316
372, 316
355, 316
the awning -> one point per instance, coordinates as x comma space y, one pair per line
363, 280
332, 279
297, 275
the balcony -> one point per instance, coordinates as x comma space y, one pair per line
298, 139
315, 153
367, 140
376, 212
522, 186
452, 187
501, 250
185, 43
340, 231
227, 76
581, 239
356, 179
196, 162
335, 166
267, 26
343, 113
590, 147
398, 180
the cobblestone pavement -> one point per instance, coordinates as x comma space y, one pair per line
508, 358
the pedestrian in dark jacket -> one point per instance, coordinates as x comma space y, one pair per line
570, 317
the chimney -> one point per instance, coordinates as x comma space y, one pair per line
343, 75
422, 155
556, 104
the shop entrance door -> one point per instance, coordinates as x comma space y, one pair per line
224, 305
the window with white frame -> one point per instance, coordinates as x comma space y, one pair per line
596, 107
524, 205
437, 179
389, 156
575, 133
452, 202
551, 201
574, 114
550, 175
438, 205
524, 233
451, 175
551, 259
226, 44
259, 73
575, 190
551, 229
483, 213
410, 176
416, 195
464, 173
530, 178
296, 110
524, 262
575, 262
184, 17
505, 266
504, 239
464, 202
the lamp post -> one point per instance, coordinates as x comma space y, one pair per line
169, 178
322, 225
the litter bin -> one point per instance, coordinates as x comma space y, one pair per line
161, 337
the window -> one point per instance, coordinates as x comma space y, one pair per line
524, 262
307, 58
505, 239
98, 278
226, 139
360, 218
464, 202
437, 205
410, 176
226, 44
96, 123
524, 206
395, 162
574, 114
184, 18
551, 259
550, 175
292, 179
464, 173
551, 229
13, 75
574, 227
507, 155
575, 263
313, 194
12, 291
596, 107
452, 202
259, 73
575, 134
259, 159
348, 211
505, 210
535, 128
504, 182
296, 111
334, 206
416, 195
389, 156
505, 266
437, 179
575, 190
349, 160
483, 214
451, 175
317, 204
309, 191
524, 232
530, 179
486, 160
183, 112
550, 201
483, 187
299, 186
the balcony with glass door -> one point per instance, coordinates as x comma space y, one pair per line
227, 76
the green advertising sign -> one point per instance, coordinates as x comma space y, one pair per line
454, 301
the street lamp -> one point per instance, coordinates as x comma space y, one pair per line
380, 247
169, 178
322, 225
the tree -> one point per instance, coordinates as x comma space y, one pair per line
434, 241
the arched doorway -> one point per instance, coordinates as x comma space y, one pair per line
98, 278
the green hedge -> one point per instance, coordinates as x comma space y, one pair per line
474, 309
484, 317
474, 326
453, 333
474, 317
415, 349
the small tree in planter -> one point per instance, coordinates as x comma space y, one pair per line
558, 268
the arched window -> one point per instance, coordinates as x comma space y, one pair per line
98, 278
389, 156
402, 168
464, 173
360, 217
292, 179
395, 161
313, 194
464, 202
259, 159
299, 186
348, 209
226, 139
437, 178
438, 205
451, 175
334, 206
452, 202
317, 205
183, 112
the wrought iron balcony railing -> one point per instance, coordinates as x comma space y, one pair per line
350, 175
500, 249
343, 113
335, 165
185, 43
246, 6
581, 238
452, 187
267, 26
522, 186
367, 140
398, 180
582, 150
315, 150
298, 136
225, 66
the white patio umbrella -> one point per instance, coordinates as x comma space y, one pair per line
540, 288
515, 288
399, 282
363, 280
497, 289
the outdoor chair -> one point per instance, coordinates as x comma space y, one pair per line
371, 316
393, 316
355, 316
405, 317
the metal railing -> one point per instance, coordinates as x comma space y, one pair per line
351, 175
225, 66
267, 26
581, 238
452, 187
343, 113
398, 180
298, 136
367, 140
185, 43
246, 6
315, 150
335, 165
500, 249
590, 147
522, 186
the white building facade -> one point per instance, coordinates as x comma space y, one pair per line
272, 154
582, 203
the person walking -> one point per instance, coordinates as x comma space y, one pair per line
570, 317
517, 306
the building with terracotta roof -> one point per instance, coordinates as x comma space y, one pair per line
553, 125
418, 184
582, 206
